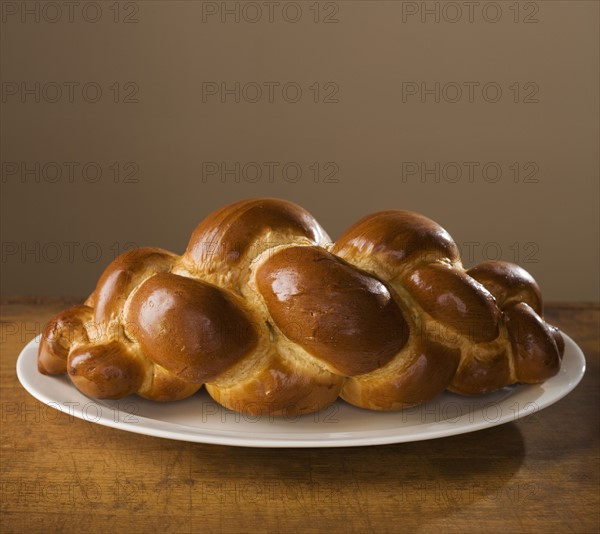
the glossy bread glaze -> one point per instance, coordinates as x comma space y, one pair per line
456, 300
397, 238
508, 283
59, 336
231, 237
340, 314
106, 371
122, 276
193, 329
274, 319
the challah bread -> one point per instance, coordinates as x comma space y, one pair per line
275, 319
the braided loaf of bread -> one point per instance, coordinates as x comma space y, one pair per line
273, 318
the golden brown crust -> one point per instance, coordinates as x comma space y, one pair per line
427, 372
455, 299
536, 354
164, 386
191, 328
123, 275
508, 283
229, 235
336, 312
481, 371
281, 387
397, 238
558, 339
105, 371
58, 337
278, 321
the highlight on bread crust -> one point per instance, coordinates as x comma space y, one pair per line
272, 318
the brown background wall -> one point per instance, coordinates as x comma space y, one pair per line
135, 94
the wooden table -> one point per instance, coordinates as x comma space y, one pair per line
60, 474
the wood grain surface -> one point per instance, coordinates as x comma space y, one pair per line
60, 474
